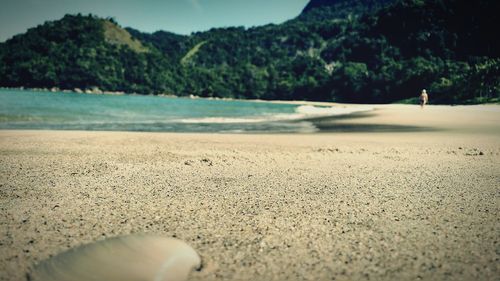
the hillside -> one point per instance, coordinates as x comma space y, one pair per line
337, 50
328, 9
116, 35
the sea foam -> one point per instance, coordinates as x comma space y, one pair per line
301, 112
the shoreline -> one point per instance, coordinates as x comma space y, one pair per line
374, 118
358, 118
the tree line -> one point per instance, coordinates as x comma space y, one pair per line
383, 52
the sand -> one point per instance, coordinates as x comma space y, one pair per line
402, 194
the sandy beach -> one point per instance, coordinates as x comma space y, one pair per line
399, 193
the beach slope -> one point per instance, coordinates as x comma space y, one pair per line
420, 203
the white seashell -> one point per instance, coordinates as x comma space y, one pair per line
127, 258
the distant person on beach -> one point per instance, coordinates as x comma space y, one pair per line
424, 98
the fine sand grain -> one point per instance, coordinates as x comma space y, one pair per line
418, 203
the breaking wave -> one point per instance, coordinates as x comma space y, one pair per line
301, 112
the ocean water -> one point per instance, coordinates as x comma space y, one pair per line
24, 109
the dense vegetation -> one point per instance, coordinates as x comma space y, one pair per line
336, 50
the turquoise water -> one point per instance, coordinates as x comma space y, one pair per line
24, 109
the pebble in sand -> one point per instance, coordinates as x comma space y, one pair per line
127, 258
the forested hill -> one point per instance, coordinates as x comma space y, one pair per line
328, 9
364, 51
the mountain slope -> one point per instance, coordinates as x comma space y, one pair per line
338, 50
82, 52
328, 9
116, 35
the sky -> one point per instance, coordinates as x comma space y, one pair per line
179, 16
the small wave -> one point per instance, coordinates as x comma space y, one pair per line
221, 120
301, 112
313, 111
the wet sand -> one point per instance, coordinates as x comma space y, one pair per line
415, 204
